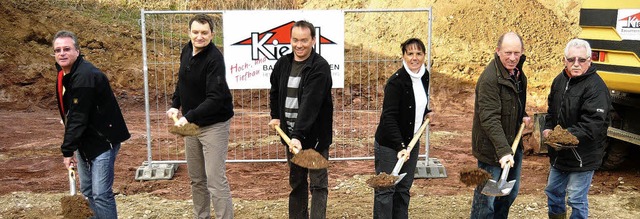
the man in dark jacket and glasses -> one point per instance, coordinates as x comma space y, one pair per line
93, 123
580, 102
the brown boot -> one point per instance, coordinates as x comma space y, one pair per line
558, 216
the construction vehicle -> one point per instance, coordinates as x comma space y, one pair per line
612, 28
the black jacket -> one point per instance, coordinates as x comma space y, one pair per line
314, 125
498, 111
90, 111
396, 126
202, 89
581, 105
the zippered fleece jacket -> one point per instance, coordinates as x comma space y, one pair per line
581, 105
202, 90
314, 125
93, 120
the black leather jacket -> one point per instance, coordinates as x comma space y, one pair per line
90, 111
581, 105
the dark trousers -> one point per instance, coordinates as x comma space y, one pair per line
393, 202
299, 196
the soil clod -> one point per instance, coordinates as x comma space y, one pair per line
473, 176
560, 138
310, 159
382, 181
189, 129
75, 207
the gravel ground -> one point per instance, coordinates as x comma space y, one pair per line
350, 198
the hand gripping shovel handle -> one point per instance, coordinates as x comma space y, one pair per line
175, 118
72, 181
514, 146
414, 140
285, 138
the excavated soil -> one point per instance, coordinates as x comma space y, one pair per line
33, 178
310, 159
381, 181
473, 176
562, 136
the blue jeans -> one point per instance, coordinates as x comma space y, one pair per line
496, 207
393, 202
96, 182
576, 184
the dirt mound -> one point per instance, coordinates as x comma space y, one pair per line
27, 64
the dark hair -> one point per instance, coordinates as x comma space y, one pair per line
303, 24
202, 18
502, 39
412, 41
69, 34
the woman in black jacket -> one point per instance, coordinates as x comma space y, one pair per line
406, 102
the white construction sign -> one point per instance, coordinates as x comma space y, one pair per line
628, 24
254, 40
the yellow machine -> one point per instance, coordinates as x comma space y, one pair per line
612, 28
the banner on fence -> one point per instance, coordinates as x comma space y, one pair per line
254, 40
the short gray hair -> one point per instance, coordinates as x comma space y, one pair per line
577, 43
69, 34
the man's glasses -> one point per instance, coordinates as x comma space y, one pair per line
60, 50
580, 60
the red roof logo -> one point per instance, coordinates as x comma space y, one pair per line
282, 34
632, 21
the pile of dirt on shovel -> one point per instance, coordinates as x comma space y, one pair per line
473, 176
310, 159
75, 207
382, 181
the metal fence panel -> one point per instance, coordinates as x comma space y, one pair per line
357, 106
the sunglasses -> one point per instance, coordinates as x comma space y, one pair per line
60, 50
580, 60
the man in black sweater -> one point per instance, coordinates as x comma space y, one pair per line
204, 96
301, 96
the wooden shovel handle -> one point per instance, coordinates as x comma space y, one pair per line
514, 146
285, 138
175, 118
416, 137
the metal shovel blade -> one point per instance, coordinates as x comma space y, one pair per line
396, 171
72, 182
501, 187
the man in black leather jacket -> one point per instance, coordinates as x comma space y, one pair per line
93, 122
579, 102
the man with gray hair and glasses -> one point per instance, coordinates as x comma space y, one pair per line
93, 123
580, 102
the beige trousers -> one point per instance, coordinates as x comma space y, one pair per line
206, 155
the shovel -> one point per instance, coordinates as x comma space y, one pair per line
503, 187
384, 181
72, 182
414, 140
74, 206
309, 158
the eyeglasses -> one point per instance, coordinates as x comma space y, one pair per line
580, 60
60, 50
